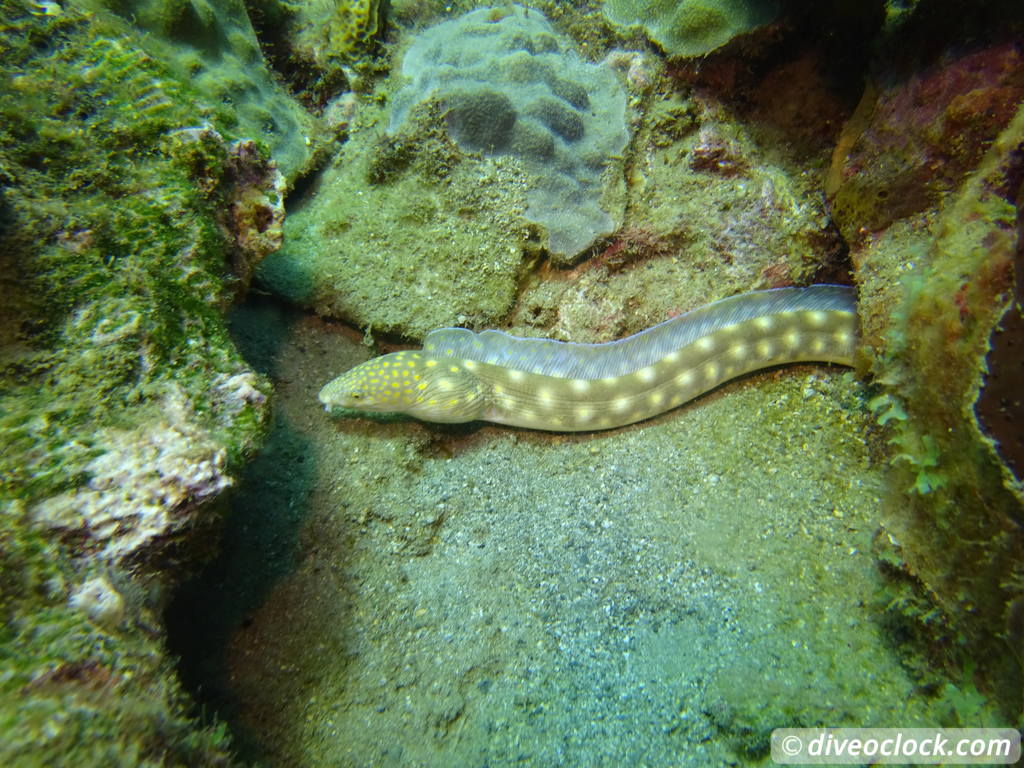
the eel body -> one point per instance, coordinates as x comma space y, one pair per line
462, 376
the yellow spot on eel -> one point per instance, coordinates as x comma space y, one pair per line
569, 387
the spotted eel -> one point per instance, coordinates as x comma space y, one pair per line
462, 376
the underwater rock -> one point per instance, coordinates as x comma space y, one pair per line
691, 27
323, 48
403, 236
123, 229
254, 215
912, 142
98, 600
251, 189
710, 214
211, 43
409, 231
125, 409
714, 153
936, 279
144, 485
510, 85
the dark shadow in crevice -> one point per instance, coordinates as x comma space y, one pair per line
259, 545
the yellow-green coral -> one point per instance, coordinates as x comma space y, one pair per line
335, 29
353, 22
691, 27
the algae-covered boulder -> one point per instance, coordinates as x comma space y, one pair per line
130, 221
501, 129
925, 183
691, 27
511, 85
129, 230
427, 226
211, 43
405, 236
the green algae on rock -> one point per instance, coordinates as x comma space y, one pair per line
691, 27
119, 242
405, 234
935, 280
86, 679
211, 44
129, 224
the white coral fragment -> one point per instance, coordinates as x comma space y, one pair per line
239, 390
98, 600
144, 484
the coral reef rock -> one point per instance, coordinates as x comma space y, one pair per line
145, 484
924, 185
436, 238
908, 145
329, 30
510, 85
211, 43
132, 212
691, 27
100, 601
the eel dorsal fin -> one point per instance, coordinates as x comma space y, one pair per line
617, 358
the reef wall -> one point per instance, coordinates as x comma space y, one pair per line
924, 185
132, 216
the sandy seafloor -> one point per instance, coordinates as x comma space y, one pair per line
401, 594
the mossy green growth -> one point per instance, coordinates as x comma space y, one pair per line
336, 29
952, 507
212, 45
405, 234
691, 27
77, 693
923, 455
115, 262
113, 256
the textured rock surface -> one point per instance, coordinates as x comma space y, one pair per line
128, 226
927, 194
510, 85
710, 213
912, 142
691, 27
405, 236
211, 44
330, 31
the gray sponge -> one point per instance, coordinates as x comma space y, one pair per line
510, 85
